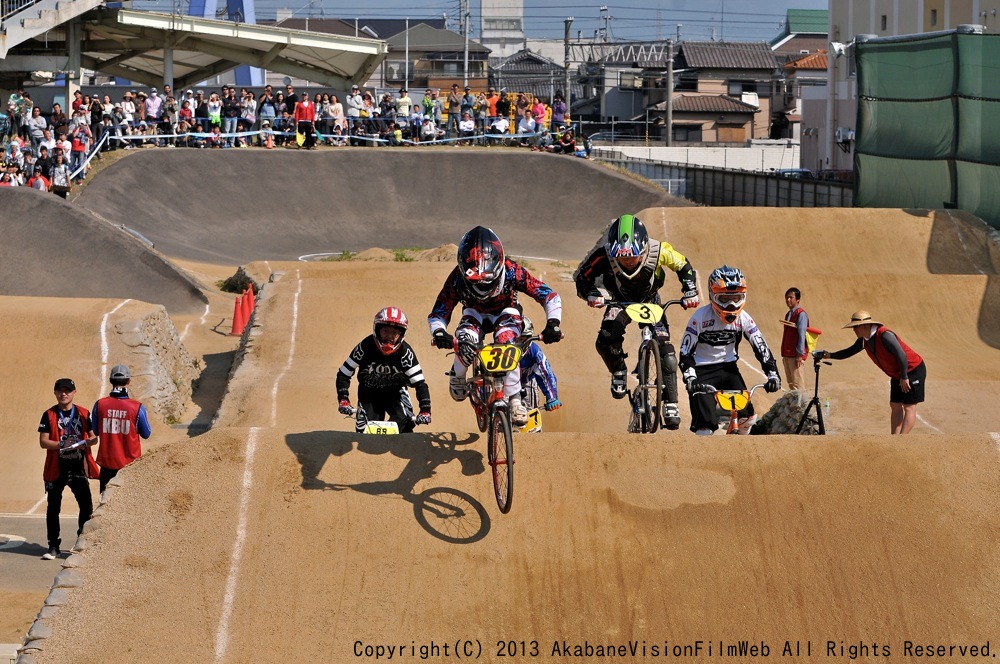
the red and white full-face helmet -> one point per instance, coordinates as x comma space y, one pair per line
390, 318
482, 262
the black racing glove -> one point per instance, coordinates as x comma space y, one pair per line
443, 340
551, 334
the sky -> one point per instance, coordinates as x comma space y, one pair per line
631, 20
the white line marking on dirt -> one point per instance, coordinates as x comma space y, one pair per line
920, 417
291, 351
104, 342
41, 501
222, 635
753, 368
201, 321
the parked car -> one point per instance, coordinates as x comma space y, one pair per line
795, 173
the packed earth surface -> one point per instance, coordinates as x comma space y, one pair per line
258, 527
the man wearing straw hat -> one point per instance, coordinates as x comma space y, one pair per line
905, 368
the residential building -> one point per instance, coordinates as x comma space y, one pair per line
502, 26
850, 18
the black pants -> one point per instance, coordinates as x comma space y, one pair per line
80, 486
309, 131
704, 408
107, 474
612, 336
389, 404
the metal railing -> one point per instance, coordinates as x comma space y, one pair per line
722, 187
10, 7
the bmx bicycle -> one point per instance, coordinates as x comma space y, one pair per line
731, 402
490, 366
646, 399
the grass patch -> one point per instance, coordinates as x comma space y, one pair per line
403, 255
345, 255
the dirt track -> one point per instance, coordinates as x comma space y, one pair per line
280, 536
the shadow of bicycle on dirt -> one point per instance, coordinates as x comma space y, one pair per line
446, 513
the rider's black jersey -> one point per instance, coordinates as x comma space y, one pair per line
380, 375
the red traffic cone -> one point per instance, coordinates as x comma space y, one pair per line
239, 318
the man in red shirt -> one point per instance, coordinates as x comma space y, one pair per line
905, 368
66, 435
305, 119
119, 421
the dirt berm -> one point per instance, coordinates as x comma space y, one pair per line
242, 205
57, 249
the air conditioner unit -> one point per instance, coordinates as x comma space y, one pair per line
844, 134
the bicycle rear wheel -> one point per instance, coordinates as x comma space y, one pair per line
649, 391
500, 452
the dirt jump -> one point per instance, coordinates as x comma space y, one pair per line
258, 527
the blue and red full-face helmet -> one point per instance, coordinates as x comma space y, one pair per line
481, 260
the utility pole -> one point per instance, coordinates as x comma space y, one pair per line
567, 95
465, 31
670, 93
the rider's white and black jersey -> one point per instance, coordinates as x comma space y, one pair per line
381, 373
710, 340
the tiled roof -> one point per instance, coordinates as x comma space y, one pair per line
813, 61
530, 72
707, 104
726, 55
425, 38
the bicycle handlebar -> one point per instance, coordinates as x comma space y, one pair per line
622, 303
705, 388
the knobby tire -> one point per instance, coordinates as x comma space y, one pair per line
500, 452
650, 388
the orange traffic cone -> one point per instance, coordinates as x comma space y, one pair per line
239, 318
247, 307
253, 301
269, 142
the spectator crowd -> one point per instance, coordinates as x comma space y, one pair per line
52, 150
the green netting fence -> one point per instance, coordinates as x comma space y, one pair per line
928, 128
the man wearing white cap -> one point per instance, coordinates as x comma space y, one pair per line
119, 422
905, 368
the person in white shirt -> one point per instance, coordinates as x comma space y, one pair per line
467, 128
525, 129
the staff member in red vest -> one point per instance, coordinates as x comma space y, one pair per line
905, 368
119, 421
793, 339
66, 436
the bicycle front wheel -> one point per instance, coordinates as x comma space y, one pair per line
500, 452
649, 392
